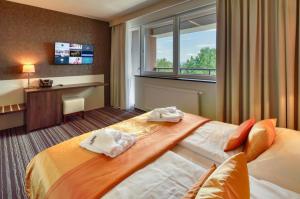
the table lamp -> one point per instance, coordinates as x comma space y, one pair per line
28, 68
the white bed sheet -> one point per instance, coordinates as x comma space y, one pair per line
170, 177
209, 141
260, 189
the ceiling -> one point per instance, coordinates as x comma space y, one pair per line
97, 9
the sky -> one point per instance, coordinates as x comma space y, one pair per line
190, 44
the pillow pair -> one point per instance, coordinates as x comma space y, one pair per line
258, 137
230, 180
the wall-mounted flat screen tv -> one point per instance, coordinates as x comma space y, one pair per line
71, 53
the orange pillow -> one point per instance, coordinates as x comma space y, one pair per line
230, 180
240, 135
191, 194
260, 138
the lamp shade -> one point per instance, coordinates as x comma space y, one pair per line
28, 68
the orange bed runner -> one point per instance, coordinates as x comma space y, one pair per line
69, 171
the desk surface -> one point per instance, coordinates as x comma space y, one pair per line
66, 86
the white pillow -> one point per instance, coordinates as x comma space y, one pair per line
280, 164
210, 139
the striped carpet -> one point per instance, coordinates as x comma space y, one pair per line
17, 147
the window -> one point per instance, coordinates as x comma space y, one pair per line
158, 47
181, 46
197, 44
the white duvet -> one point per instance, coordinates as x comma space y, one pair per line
170, 177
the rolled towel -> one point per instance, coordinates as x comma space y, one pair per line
171, 109
109, 142
168, 114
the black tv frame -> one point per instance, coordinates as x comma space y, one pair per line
73, 43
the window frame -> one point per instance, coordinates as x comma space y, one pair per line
144, 72
129, 46
194, 76
176, 47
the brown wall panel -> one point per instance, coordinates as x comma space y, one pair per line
27, 35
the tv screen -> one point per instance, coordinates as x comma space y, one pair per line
67, 53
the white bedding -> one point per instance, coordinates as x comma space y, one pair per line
279, 164
209, 141
260, 189
170, 177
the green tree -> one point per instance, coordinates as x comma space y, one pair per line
165, 64
206, 58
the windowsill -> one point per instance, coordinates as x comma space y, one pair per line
177, 78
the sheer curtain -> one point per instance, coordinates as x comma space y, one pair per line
258, 61
118, 83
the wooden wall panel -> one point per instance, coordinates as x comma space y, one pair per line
27, 35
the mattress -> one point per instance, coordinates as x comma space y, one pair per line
170, 177
209, 141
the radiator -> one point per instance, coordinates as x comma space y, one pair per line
160, 96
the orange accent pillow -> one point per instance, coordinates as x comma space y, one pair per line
230, 180
260, 138
191, 194
239, 137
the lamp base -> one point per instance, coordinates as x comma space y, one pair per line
28, 82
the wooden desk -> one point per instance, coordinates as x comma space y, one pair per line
44, 105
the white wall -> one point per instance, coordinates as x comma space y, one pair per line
208, 97
12, 92
160, 10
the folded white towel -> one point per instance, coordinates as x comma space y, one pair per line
168, 114
109, 142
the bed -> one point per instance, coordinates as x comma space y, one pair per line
56, 172
201, 145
